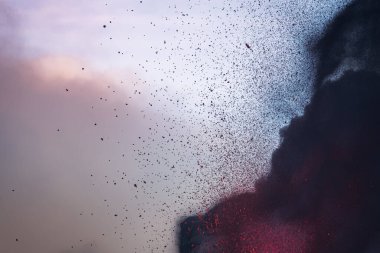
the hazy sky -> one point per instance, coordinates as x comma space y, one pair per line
120, 117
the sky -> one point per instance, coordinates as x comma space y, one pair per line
119, 118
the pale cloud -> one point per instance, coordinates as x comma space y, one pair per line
62, 68
49, 147
59, 128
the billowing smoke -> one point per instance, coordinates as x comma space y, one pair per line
322, 194
352, 41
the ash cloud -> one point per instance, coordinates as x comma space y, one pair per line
352, 41
322, 193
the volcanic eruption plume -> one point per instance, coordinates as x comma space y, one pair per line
322, 194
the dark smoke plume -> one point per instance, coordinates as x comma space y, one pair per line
352, 41
322, 194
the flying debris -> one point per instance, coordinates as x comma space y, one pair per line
248, 46
322, 193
